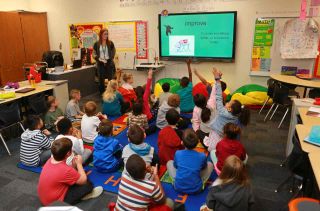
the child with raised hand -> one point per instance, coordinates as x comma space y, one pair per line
73, 109
144, 94
66, 130
229, 145
137, 146
138, 193
54, 113
189, 169
126, 90
165, 94
185, 94
170, 138
231, 191
233, 112
113, 103
90, 122
107, 149
35, 144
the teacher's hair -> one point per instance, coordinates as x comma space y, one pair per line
100, 36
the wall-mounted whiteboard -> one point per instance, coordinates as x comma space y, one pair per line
129, 38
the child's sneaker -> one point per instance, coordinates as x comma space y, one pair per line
97, 191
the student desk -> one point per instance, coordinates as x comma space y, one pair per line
59, 88
303, 131
306, 119
82, 78
314, 158
297, 103
314, 83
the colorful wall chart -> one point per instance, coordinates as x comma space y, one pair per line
83, 36
263, 40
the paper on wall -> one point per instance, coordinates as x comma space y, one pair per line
298, 40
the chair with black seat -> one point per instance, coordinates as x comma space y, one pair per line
271, 84
304, 204
9, 116
280, 98
37, 105
300, 168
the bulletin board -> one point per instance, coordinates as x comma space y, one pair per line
131, 41
83, 35
266, 57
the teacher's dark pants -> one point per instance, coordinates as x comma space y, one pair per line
105, 71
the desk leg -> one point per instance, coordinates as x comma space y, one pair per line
292, 127
305, 92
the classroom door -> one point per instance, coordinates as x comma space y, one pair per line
35, 35
12, 48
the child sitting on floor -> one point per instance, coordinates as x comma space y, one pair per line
126, 90
113, 104
54, 113
165, 94
138, 193
189, 169
139, 118
137, 146
73, 109
66, 130
60, 182
107, 149
231, 191
169, 139
229, 145
173, 102
233, 112
90, 122
35, 145
185, 94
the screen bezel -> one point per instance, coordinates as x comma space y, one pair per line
198, 58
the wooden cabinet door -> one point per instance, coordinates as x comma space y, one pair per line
35, 35
12, 54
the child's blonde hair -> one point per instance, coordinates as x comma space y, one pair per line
234, 171
110, 92
90, 108
126, 77
73, 93
50, 100
174, 100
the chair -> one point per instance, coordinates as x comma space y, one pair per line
304, 204
9, 116
37, 104
299, 166
280, 98
271, 84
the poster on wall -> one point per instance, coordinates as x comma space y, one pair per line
263, 33
142, 40
83, 37
299, 39
263, 40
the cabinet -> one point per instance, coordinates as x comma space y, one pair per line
23, 39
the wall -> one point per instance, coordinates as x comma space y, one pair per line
11, 5
61, 13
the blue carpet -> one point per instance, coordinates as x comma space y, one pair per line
29, 168
110, 181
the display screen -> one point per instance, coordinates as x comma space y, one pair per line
198, 35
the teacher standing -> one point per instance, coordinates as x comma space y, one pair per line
104, 52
